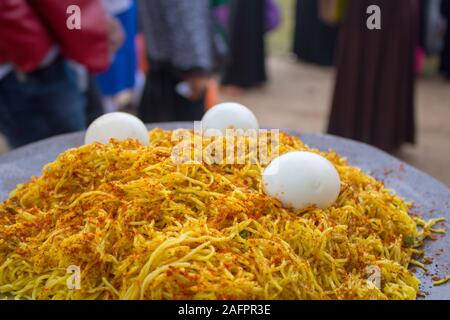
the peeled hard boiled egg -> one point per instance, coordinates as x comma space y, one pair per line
229, 115
119, 126
302, 179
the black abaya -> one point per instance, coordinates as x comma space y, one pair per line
160, 100
314, 41
374, 94
246, 67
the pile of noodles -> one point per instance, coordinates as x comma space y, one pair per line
140, 226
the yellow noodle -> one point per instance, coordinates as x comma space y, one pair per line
140, 226
442, 281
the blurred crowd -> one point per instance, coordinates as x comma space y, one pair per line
166, 60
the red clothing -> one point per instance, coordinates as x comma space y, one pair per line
29, 29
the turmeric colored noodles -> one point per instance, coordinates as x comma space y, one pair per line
139, 226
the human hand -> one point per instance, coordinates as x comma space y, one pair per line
197, 85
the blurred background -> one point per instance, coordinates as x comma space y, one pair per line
306, 65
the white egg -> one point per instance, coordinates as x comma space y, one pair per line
229, 115
117, 125
302, 179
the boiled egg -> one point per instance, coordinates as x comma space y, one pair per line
119, 126
302, 179
229, 115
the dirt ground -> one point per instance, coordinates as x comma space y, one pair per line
298, 97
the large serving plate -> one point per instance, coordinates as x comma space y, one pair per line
430, 197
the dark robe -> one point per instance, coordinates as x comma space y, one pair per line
314, 40
374, 92
445, 57
246, 66
160, 100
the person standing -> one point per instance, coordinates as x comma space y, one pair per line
374, 92
121, 75
246, 67
179, 43
314, 40
39, 92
